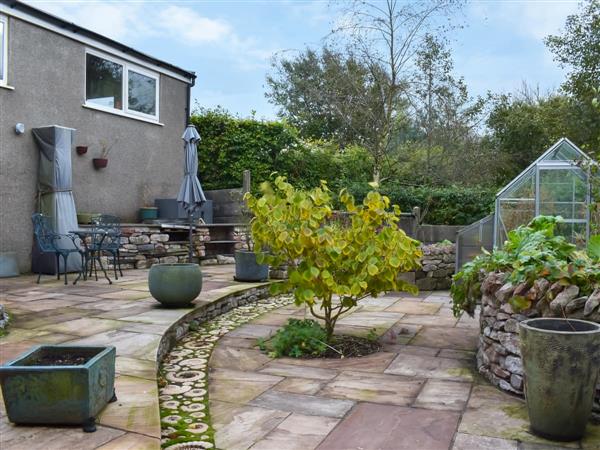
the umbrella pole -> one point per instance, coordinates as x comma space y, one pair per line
191, 244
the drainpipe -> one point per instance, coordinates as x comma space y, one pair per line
188, 111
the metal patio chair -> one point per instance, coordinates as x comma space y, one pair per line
111, 243
47, 240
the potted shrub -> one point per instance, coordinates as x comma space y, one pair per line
105, 148
175, 285
561, 358
247, 268
338, 262
53, 384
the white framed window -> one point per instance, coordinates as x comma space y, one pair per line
120, 87
3, 50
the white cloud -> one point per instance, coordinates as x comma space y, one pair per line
187, 24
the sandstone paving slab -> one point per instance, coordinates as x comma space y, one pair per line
39, 319
131, 309
364, 332
376, 304
125, 294
414, 307
254, 331
404, 346
247, 426
376, 362
442, 394
10, 351
438, 297
236, 386
271, 319
53, 338
136, 409
400, 333
228, 341
303, 404
457, 354
133, 367
157, 315
430, 319
148, 328
298, 371
493, 413
19, 334
84, 326
221, 413
297, 432
444, 337
373, 427
467, 321
132, 441
431, 367
13, 437
464, 441
134, 345
553, 446
235, 358
45, 304
371, 319
109, 305
372, 387
300, 385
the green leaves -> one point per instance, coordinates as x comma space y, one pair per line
593, 248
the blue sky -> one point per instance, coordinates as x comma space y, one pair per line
229, 44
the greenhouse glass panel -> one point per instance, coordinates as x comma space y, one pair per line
564, 151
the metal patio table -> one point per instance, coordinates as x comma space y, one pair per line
92, 254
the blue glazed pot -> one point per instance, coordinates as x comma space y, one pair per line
248, 269
37, 392
175, 285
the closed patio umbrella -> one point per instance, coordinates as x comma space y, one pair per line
190, 194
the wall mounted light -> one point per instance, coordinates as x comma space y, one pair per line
20, 128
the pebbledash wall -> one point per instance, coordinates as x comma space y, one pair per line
46, 86
499, 355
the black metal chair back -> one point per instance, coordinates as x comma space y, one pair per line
108, 238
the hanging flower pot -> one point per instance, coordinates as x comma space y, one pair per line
81, 149
100, 163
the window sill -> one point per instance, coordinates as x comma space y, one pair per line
6, 86
122, 114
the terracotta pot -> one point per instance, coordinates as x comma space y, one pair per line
81, 149
100, 163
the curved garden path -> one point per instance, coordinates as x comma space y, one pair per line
420, 392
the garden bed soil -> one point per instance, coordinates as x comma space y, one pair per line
350, 347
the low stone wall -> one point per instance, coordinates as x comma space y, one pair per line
206, 312
499, 355
437, 267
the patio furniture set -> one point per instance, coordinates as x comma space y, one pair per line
90, 243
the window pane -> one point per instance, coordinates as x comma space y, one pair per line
104, 82
2, 43
142, 93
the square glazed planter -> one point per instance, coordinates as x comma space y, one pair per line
37, 392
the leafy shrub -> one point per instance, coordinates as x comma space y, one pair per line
298, 338
530, 252
349, 259
453, 205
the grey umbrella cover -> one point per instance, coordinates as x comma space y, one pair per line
190, 194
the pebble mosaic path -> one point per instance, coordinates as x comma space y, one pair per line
421, 392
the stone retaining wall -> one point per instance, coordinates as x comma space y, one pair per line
499, 355
437, 267
208, 311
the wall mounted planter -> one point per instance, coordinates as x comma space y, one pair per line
54, 384
100, 163
81, 149
561, 361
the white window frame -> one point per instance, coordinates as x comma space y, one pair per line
4, 50
127, 66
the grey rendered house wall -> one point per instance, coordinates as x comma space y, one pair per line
47, 71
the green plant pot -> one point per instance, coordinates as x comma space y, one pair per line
247, 269
148, 213
86, 218
175, 285
561, 360
37, 392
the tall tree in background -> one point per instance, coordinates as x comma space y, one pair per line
381, 39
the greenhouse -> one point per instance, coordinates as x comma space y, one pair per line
555, 185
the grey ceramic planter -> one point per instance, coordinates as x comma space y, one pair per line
561, 360
37, 393
247, 269
175, 285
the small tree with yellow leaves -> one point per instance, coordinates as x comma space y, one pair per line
332, 264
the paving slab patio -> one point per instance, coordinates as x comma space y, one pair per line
95, 313
421, 392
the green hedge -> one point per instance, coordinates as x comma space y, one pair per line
453, 205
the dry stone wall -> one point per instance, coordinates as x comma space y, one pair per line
437, 267
499, 355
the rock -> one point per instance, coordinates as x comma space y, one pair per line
505, 292
491, 355
498, 325
558, 305
576, 304
555, 289
513, 364
592, 303
169, 260
492, 282
159, 237
221, 259
489, 311
488, 300
499, 349
516, 381
507, 308
539, 289
426, 284
511, 326
500, 372
429, 267
521, 289
510, 341
137, 240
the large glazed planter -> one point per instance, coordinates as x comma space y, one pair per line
561, 360
36, 392
248, 269
175, 285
